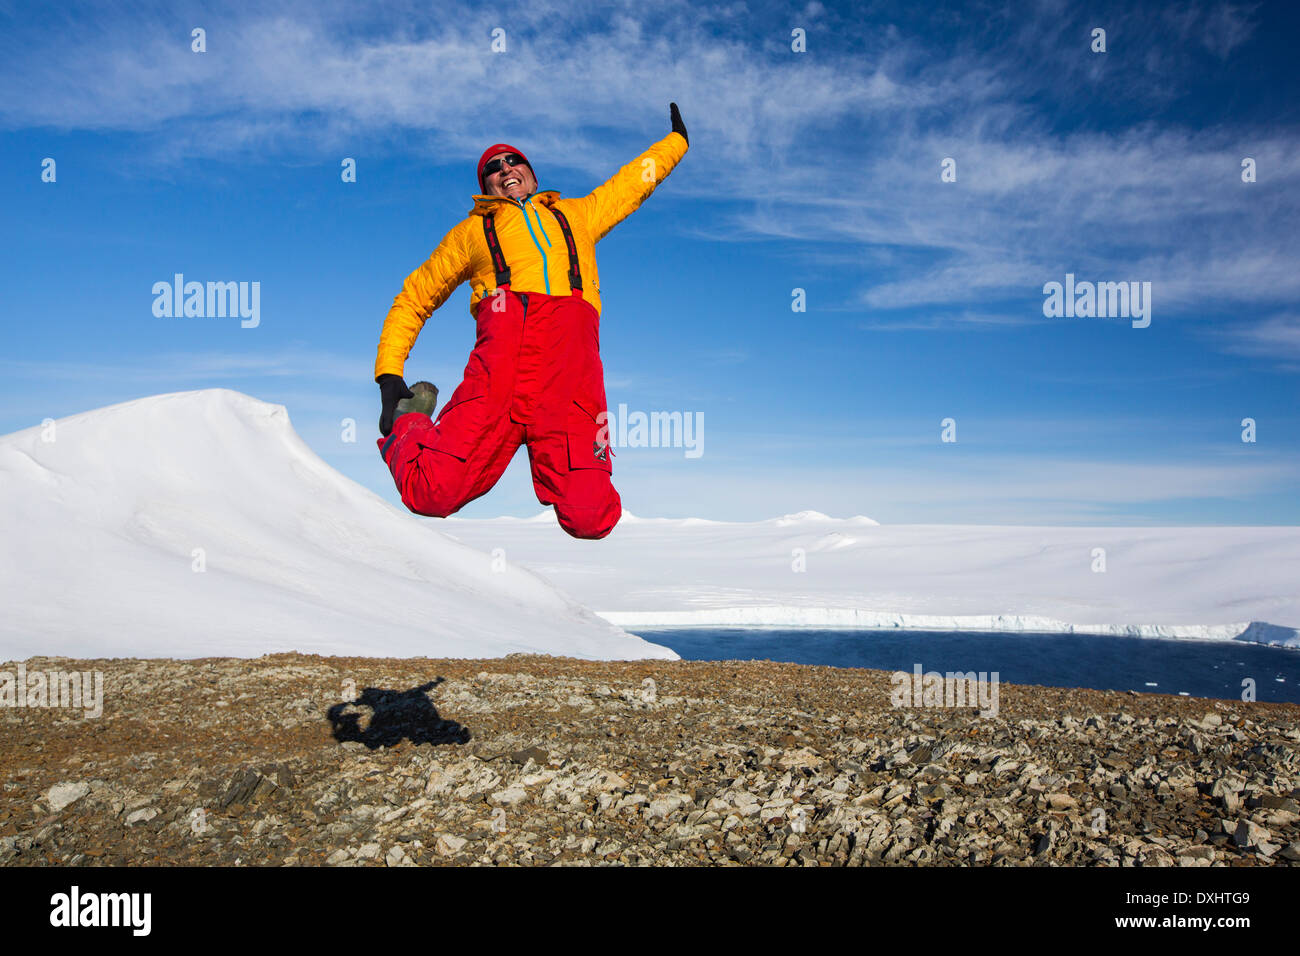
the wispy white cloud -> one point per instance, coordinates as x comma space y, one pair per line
965, 319
1221, 28
1277, 336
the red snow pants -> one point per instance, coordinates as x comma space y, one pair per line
535, 378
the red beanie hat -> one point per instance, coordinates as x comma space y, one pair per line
492, 151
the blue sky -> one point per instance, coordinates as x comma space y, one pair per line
817, 170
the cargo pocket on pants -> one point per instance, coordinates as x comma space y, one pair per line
589, 445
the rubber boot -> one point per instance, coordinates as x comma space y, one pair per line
424, 400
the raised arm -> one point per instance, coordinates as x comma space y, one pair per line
611, 203
424, 290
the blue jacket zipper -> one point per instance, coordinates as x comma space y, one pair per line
546, 275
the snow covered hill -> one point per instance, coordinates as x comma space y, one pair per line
811, 570
199, 524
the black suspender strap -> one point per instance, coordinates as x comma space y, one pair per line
494, 248
575, 277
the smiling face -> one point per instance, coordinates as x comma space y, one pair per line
516, 182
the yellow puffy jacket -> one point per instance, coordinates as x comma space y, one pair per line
535, 265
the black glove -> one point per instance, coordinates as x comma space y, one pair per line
392, 389
678, 125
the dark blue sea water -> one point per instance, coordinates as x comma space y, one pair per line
1197, 668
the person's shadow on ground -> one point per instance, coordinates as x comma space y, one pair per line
396, 715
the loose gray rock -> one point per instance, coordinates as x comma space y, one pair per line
64, 794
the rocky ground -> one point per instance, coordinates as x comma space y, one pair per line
296, 760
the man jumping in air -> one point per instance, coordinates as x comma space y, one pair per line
535, 375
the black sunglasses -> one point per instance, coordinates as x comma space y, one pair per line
513, 159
